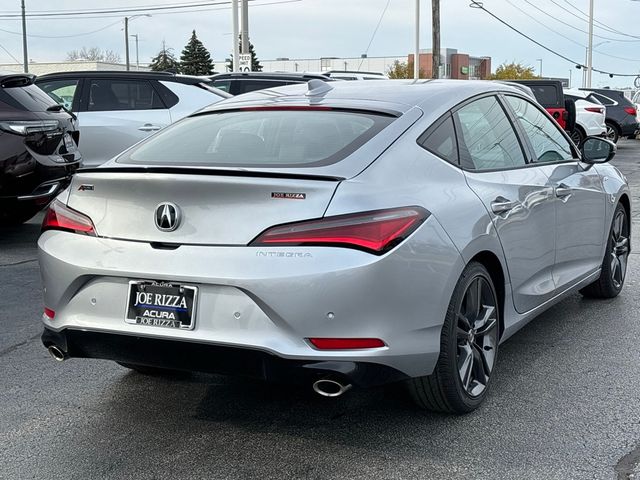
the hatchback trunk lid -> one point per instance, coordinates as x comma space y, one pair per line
215, 207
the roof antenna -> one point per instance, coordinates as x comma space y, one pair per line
317, 87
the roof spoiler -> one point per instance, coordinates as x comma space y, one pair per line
17, 80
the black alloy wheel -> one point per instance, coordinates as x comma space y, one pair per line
468, 347
577, 136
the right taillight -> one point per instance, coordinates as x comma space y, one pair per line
61, 217
375, 232
631, 111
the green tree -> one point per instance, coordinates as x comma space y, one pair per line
255, 63
195, 58
165, 61
513, 71
403, 70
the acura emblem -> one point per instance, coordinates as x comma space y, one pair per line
167, 217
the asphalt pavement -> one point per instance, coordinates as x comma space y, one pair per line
565, 404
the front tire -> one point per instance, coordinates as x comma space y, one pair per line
468, 347
614, 264
577, 136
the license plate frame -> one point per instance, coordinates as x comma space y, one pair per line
165, 307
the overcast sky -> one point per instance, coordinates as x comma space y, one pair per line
343, 28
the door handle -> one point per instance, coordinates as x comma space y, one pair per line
149, 127
563, 191
502, 205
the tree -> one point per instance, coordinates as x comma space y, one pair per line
195, 58
403, 70
513, 71
165, 61
93, 54
255, 63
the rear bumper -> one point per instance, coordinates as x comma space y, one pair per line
202, 357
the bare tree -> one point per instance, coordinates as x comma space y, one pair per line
93, 54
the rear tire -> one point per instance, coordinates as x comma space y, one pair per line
468, 347
612, 132
614, 264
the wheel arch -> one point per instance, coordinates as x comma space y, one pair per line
493, 265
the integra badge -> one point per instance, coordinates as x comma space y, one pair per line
289, 196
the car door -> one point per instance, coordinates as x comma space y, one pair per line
117, 113
517, 196
579, 195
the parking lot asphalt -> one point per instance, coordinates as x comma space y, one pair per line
565, 403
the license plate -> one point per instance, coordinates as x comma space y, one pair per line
161, 304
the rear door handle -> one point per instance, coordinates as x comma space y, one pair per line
502, 205
563, 191
149, 127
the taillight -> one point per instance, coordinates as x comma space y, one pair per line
27, 127
50, 314
61, 217
630, 110
595, 109
375, 231
346, 343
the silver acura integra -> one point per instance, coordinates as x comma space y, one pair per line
341, 234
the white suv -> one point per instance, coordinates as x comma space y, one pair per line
590, 116
118, 109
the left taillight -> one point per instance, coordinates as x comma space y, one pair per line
27, 127
375, 232
61, 217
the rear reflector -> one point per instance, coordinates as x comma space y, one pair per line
375, 231
630, 111
346, 343
49, 313
61, 217
594, 109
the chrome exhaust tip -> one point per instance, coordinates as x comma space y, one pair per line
328, 387
57, 354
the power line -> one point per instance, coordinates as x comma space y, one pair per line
62, 36
375, 30
9, 53
602, 25
479, 5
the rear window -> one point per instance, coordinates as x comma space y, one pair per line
549, 96
30, 98
260, 138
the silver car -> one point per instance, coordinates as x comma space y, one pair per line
354, 233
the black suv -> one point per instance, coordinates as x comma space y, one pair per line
237, 83
621, 112
38, 148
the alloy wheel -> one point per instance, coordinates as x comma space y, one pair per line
477, 336
576, 136
619, 249
611, 133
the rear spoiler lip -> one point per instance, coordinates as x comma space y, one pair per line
210, 171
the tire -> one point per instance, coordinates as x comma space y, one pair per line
614, 263
16, 215
153, 371
468, 348
613, 133
577, 135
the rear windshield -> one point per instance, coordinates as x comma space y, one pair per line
549, 96
260, 138
29, 97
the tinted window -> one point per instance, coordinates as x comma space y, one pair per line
603, 100
442, 141
62, 91
223, 85
549, 145
245, 86
486, 138
105, 94
547, 95
260, 138
29, 97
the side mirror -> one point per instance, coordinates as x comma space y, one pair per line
597, 150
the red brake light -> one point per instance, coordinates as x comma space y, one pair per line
595, 109
375, 231
630, 110
346, 343
49, 313
61, 217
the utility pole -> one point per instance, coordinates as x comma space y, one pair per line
416, 54
25, 55
540, 71
244, 14
435, 50
590, 56
126, 41
137, 58
235, 35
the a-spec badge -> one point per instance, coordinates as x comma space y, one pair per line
85, 187
289, 195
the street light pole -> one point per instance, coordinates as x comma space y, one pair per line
416, 54
540, 60
435, 48
137, 58
126, 41
590, 56
25, 55
235, 35
244, 15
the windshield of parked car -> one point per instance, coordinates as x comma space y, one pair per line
260, 138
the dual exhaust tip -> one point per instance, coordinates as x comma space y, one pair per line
57, 354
